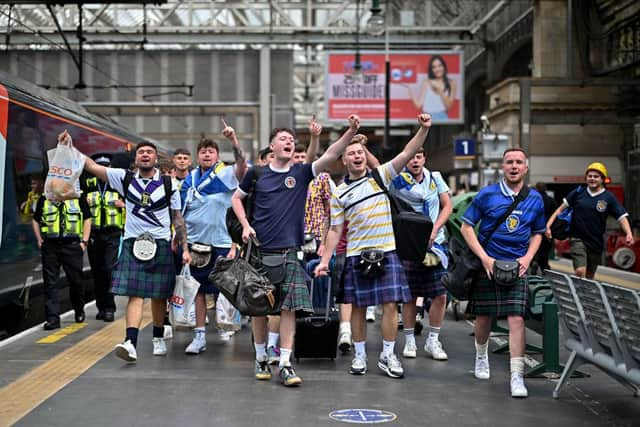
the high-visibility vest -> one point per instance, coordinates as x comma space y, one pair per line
104, 213
63, 219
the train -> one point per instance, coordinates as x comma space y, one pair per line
30, 120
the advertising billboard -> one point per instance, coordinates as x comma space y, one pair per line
420, 81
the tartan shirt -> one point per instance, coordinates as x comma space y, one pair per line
317, 208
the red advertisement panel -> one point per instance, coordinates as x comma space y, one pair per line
420, 81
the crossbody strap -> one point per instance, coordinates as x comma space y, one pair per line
524, 192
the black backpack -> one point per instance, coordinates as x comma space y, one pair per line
234, 227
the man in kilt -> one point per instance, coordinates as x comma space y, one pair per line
278, 224
517, 238
428, 194
360, 201
150, 212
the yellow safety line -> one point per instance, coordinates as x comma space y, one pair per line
57, 336
30, 390
603, 277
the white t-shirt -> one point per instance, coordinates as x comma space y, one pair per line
370, 223
152, 218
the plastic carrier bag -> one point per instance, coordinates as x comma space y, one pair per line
182, 306
227, 316
65, 166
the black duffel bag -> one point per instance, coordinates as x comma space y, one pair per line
411, 229
463, 268
245, 287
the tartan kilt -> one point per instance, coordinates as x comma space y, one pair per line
424, 281
390, 287
155, 278
489, 299
293, 289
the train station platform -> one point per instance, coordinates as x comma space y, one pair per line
71, 378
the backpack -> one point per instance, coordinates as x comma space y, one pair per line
562, 224
166, 180
234, 227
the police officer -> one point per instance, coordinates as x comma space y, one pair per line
107, 223
62, 231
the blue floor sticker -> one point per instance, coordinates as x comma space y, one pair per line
363, 416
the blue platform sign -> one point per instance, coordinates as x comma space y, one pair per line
465, 148
363, 416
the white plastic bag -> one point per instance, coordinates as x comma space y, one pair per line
182, 306
65, 166
227, 316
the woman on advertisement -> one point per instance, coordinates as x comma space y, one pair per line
437, 91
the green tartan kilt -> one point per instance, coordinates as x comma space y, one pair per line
294, 291
489, 299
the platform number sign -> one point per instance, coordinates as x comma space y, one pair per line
465, 148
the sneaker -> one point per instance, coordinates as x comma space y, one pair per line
435, 350
289, 377
159, 347
273, 355
359, 365
262, 371
410, 350
225, 336
518, 389
391, 366
197, 346
126, 351
482, 371
371, 314
168, 332
344, 342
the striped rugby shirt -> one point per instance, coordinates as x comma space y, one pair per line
370, 225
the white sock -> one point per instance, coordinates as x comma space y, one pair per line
345, 327
261, 351
285, 356
199, 333
481, 349
517, 366
360, 348
273, 339
387, 348
409, 337
434, 333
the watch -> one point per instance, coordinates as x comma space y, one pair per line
85, 242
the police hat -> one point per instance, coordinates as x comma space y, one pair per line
103, 159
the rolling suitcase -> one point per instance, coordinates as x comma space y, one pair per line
317, 335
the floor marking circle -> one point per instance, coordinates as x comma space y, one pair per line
363, 416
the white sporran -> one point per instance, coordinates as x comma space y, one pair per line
144, 247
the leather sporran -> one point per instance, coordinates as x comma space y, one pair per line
274, 266
371, 263
200, 255
506, 273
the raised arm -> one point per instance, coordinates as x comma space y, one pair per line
337, 148
240, 167
95, 169
414, 144
315, 129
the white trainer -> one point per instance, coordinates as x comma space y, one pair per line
518, 389
344, 341
410, 351
126, 351
159, 347
435, 350
168, 332
391, 365
482, 371
359, 365
197, 345
371, 313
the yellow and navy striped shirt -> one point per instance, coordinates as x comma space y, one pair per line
365, 206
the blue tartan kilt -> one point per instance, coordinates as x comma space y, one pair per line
155, 278
390, 287
424, 281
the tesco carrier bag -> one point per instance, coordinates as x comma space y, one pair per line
65, 166
182, 306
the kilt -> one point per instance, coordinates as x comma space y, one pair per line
489, 299
390, 287
424, 281
155, 278
293, 289
202, 274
